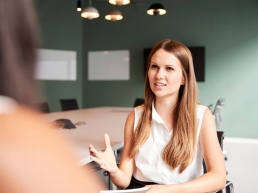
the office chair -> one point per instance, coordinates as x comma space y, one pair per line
138, 101
217, 116
43, 107
216, 112
68, 104
229, 185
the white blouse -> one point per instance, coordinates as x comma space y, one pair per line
150, 166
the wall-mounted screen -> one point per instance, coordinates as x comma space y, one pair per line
108, 65
198, 53
56, 65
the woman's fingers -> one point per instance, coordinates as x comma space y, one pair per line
93, 158
105, 159
99, 161
93, 151
107, 140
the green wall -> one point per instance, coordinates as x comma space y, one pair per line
227, 29
60, 28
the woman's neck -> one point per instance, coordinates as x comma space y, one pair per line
165, 108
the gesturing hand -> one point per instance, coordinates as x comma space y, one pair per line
106, 159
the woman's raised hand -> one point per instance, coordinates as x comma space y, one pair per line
106, 159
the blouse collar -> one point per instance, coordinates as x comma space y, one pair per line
155, 115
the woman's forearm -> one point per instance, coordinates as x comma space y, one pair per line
209, 182
120, 179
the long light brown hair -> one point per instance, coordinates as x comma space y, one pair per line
18, 43
181, 147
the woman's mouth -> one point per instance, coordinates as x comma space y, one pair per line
159, 84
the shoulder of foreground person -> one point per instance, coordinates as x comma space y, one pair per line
35, 158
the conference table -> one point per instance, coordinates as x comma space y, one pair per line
93, 124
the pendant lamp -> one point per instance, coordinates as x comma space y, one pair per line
114, 15
90, 12
119, 2
79, 5
156, 9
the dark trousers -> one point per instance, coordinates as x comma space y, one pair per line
138, 184
134, 183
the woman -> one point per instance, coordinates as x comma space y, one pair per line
33, 157
166, 138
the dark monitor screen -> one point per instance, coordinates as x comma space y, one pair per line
198, 54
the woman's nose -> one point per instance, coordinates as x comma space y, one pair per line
160, 74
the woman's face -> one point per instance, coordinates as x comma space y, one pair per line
165, 74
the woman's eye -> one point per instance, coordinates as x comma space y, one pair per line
169, 69
154, 66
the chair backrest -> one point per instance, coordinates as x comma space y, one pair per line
221, 135
217, 111
138, 101
43, 107
68, 104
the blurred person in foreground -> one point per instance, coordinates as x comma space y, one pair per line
33, 157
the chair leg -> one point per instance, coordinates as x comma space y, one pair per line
230, 188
